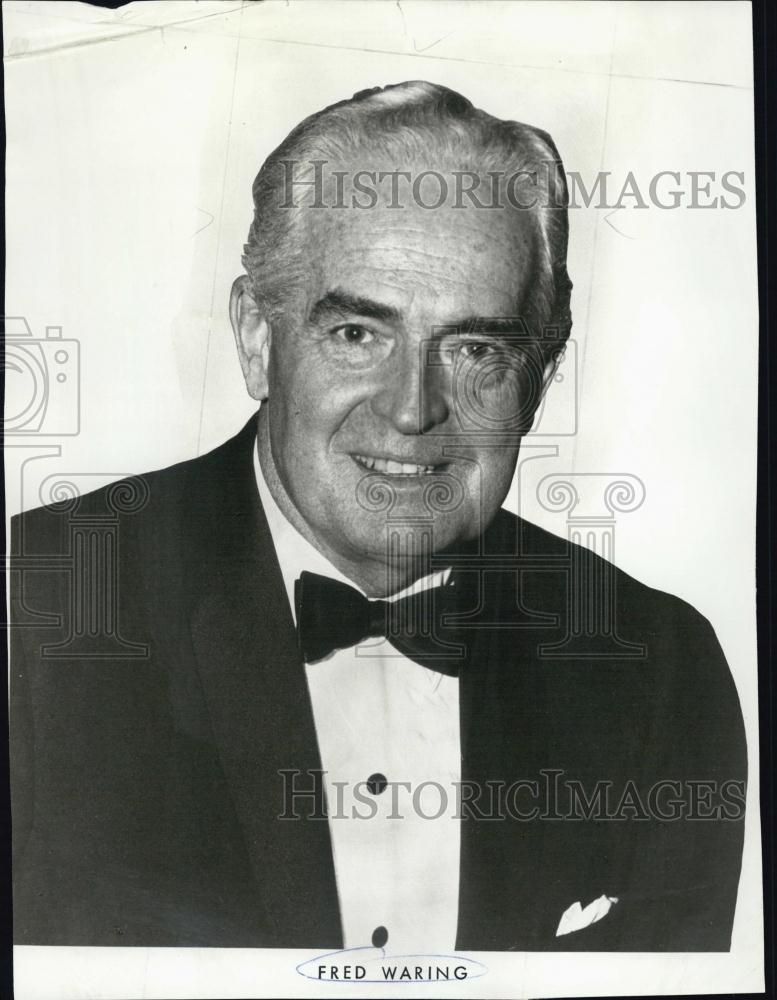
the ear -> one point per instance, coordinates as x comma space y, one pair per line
252, 335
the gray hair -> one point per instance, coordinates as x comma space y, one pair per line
409, 120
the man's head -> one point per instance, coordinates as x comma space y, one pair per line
393, 323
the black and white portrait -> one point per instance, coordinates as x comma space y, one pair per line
380, 421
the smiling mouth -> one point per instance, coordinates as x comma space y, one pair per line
388, 467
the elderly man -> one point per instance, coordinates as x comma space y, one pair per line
340, 705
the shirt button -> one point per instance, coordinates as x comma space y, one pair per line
376, 783
379, 937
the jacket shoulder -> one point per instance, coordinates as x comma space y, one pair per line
145, 495
544, 552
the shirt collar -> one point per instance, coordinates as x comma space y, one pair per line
295, 553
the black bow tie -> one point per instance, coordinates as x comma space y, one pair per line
331, 615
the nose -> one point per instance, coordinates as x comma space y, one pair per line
412, 395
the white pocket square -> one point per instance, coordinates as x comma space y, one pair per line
576, 918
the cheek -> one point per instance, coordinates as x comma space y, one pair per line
315, 390
295, 392
308, 406
494, 475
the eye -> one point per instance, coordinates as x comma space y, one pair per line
354, 334
476, 349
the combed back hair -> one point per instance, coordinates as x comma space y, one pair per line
406, 123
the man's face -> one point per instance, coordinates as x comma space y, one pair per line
386, 383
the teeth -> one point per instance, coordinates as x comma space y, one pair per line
392, 468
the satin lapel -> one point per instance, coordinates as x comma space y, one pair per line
257, 695
503, 701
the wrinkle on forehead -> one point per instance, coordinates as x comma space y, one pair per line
471, 257
505, 228
442, 247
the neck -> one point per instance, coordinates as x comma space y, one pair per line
377, 578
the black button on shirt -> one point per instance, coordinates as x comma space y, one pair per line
376, 783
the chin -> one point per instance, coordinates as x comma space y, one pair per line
403, 535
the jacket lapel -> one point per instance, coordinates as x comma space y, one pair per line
507, 874
257, 695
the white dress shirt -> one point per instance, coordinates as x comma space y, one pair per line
378, 713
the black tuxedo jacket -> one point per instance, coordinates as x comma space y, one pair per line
157, 692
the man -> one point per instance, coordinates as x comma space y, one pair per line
332, 610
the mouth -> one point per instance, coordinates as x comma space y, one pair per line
389, 467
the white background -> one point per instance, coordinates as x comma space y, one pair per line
133, 139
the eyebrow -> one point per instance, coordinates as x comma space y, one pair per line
344, 303
493, 325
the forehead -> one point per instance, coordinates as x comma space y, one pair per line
453, 261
